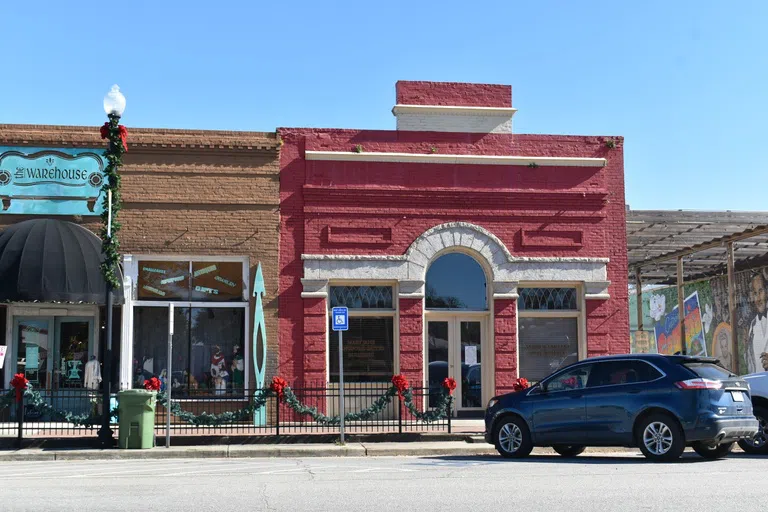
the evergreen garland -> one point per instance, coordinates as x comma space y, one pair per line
376, 407
259, 400
37, 402
441, 410
110, 245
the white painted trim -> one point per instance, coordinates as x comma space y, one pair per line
504, 269
404, 257
434, 158
10, 353
506, 112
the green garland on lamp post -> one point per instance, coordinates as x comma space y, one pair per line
114, 106
117, 134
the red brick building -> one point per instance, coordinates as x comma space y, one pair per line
461, 248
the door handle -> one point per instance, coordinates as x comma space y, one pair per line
634, 391
576, 396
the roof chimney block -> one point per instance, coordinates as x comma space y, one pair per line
453, 107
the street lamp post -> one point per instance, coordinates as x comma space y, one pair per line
114, 106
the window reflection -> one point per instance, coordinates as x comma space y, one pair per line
457, 282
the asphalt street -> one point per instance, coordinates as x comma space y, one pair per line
589, 483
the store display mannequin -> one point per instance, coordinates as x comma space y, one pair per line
218, 372
92, 373
238, 368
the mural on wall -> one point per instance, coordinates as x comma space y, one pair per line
668, 329
708, 324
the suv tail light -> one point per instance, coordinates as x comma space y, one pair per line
699, 384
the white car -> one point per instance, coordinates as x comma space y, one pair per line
758, 386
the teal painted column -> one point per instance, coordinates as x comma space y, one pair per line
259, 343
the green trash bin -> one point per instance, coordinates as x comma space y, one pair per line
136, 408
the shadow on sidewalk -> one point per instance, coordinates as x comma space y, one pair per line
628, 459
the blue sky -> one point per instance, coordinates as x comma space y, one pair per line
683, 81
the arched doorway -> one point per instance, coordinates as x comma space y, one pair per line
457, 312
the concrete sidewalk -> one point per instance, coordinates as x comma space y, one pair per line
423, 449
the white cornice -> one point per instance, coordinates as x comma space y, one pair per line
402, 257
507, 112
550, 161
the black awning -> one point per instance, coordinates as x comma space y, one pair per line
48, 260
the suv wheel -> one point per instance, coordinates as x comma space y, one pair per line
758, 445
709, 451
512, 437
567, 450
660, 438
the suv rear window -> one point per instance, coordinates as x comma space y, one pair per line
709, 371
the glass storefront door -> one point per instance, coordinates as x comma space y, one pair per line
34, 349
52, 352
73, 349
454, 349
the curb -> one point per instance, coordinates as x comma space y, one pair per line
433, 449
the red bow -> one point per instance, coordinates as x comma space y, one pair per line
123, 131
152, 384
520, 384
449, 383
278, 386
400, 383
19, 382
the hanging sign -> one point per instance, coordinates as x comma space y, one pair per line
39, 181
3, 348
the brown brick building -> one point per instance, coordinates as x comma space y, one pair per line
200, 213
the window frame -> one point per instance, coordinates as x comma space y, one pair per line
131, 263
393, 313
579, 314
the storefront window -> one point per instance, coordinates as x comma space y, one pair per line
368, 350
217, 281
208, 349
548, 330
546, 344
198, 281
163, 280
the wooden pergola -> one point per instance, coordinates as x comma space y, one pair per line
678, 246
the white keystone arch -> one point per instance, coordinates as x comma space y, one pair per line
410, 269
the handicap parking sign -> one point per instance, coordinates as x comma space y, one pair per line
340, 319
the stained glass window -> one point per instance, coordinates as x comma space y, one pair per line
362, 297
548, 299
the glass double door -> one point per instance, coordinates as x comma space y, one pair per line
454, 349
52, 352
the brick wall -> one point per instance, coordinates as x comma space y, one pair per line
192, 193
380, 208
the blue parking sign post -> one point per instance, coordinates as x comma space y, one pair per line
341, 323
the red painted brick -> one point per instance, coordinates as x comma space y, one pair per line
397, 202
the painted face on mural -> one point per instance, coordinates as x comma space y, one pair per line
757, 294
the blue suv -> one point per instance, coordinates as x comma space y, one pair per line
658, 403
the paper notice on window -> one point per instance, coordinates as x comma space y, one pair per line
3, 348
470, 354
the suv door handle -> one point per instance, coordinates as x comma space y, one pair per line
634, 391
